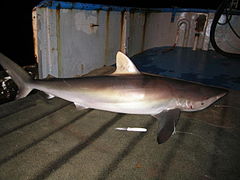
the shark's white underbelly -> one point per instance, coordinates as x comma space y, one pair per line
129, 108
137, 104
132, 107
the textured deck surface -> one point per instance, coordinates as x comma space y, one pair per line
42, 138
50, 139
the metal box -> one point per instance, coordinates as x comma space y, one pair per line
74, 38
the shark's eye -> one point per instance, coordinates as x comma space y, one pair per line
202, 103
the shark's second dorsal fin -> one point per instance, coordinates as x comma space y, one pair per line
125, 65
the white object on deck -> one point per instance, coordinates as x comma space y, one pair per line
132, 129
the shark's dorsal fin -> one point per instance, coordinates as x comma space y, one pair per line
125, 65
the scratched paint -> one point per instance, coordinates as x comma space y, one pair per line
59, 42
106, 47
84, 21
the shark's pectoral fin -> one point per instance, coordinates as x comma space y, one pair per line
167, 122
80, 107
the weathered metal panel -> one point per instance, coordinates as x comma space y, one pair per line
75, 38
73, 42
46, 37
168, 29
224, 36
88, 40
137, 29
159, 30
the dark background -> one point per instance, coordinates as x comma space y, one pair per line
16, 37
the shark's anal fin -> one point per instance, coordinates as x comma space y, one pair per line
167, 122
80, 107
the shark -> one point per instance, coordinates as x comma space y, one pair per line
127, 90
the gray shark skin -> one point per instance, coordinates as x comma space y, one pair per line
125, 91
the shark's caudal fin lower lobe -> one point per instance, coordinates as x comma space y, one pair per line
19, 76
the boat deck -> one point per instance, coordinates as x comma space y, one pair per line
50, 139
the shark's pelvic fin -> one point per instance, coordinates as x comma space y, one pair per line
79, 106
50, 96
167, 122
125, 65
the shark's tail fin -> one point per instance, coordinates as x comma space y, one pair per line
19, 76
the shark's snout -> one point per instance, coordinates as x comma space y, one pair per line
219, 93
222, 94
203, 99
